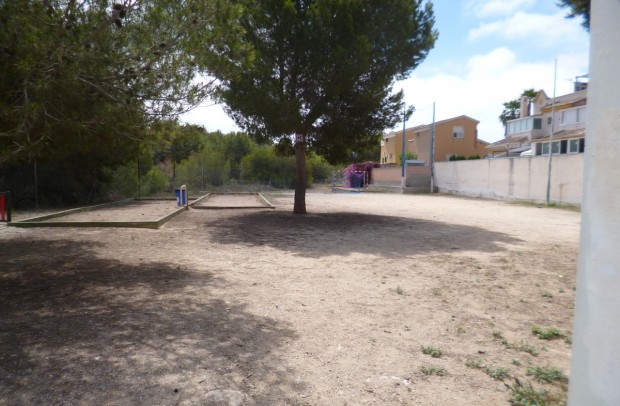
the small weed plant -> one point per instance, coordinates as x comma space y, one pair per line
432, 351
433, 370
524, 347
527, 395
547, 375
498, 373
546, 294
547, 334
474, 363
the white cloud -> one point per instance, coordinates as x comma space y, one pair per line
494, 8
535, 28
491, 79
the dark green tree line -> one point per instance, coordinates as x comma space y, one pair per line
83, 82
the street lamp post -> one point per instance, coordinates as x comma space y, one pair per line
402, 158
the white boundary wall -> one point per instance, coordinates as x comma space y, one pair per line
520, 178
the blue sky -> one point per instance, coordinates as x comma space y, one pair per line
487, 53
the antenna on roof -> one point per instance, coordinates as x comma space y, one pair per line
578, 86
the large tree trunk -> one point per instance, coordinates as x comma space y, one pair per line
300, 160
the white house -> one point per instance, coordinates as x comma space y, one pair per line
547, 124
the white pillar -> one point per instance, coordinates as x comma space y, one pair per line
595, 367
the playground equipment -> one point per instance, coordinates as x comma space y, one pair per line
5, 207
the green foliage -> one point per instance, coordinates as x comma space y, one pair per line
524, 347
547, 374
263, 165
511, 111
547, 334
83, 84
236, 147
474, 363
432, 351
463, 157
512, 108
155, 182
321, 170
527, 395
433, 370
175, 142
578, 8
498, 373
83, 78
408, 156
123, 182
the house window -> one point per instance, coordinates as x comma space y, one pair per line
555, 147
538, 148
545, 148
582, 144
548, 120
537, 124
573, 146
458, 132
563, 146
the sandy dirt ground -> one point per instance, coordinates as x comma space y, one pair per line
264, 307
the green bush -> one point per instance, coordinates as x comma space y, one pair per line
155, 182
264, 166
320, 169
123, 182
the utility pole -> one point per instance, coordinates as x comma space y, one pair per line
432, 157
555, 75
403, 178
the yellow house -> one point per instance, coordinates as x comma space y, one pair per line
454, 136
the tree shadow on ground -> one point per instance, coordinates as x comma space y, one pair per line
79, 329
324, 234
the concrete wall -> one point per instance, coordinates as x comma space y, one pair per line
522, 178
392, 175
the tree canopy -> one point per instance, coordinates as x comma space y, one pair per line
87, 76
324, 70
578, 8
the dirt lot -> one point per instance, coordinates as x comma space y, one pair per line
263, 307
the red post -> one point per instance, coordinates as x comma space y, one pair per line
5, 206
1, 206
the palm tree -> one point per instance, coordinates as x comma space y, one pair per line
511, 111
531, 95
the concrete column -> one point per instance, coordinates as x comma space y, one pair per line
595, 368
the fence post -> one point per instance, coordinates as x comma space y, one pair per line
5, 206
